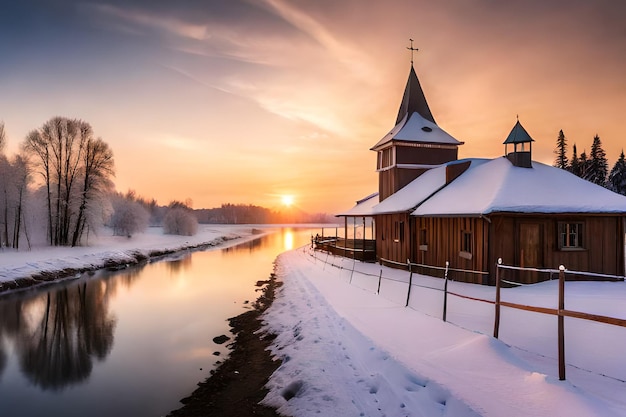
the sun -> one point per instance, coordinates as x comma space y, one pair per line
287, 200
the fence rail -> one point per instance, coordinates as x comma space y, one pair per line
560, 312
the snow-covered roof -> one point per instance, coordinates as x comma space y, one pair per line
363, 206
418, 190
498, 186
415, 128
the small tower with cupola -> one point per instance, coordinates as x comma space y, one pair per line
415, 144
521, 155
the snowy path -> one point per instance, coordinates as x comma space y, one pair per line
330, 367
350, 352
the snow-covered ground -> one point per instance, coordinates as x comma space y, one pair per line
348, 351
108, 248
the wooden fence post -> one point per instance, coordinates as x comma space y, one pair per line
445, 291
496, 322
408, 294
561, 323
352, 273
380, 277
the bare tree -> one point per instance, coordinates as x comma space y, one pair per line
20, 178
98, 168
14, 177
64, 153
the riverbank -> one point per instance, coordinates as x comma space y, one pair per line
161, 318
39, 266
237, 386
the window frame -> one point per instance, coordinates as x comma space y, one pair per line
467, 244
386, 158
571, 235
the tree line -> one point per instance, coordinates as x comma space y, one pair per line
593, 167
252, 214
59, 187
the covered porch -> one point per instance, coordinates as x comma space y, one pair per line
356, 239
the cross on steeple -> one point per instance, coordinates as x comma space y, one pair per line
412, 50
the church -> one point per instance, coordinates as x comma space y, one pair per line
432, 208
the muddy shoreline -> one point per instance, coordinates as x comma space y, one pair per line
237, 386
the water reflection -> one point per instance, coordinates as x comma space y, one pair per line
133, 341
287, 239
249, 246
59, 333
176, 266
286, 236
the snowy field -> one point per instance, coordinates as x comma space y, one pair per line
348, 351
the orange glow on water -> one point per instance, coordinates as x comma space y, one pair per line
288, 240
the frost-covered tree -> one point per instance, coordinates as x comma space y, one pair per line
617, 177
561, 152
2, 137
129, 216
180, 220
17, 195
14, 179
97, 161
75, 169
597, 167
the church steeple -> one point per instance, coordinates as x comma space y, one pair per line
414, 100
415, 144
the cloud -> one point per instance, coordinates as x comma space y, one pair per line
132, 19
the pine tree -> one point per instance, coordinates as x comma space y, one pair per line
583, 165
598, 168
561, 151
574, 166
617, 177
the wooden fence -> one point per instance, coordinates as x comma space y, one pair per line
560, 312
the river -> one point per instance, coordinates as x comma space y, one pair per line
131, 342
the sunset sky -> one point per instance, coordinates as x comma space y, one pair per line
248, 101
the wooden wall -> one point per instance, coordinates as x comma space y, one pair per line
392, 179
603, 243
441, 239
519, 239
425, 155
393, 237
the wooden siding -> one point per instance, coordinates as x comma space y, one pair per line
428, 156
519, 239
393, 237
441, 239
602, 251
392, 179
